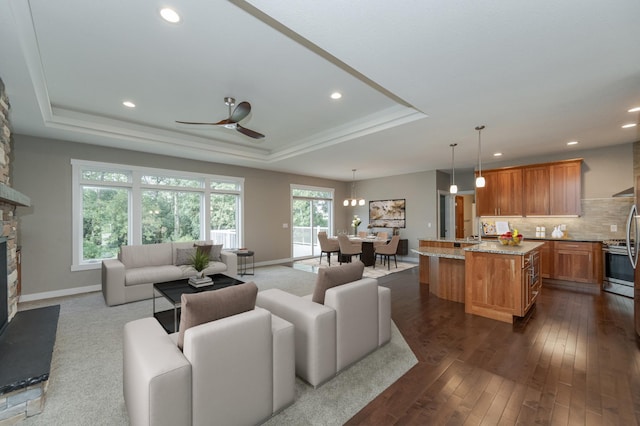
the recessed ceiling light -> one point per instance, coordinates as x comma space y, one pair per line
129, 104
497, 154
626, 126
170, 15
572, 143
336, 95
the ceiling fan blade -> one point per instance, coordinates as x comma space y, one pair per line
249, 132
193, 122
240, 112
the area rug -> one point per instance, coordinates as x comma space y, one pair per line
85, 386
380, 270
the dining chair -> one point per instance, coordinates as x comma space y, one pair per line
381, 238
386, 251
362, 234
327, 246
349, 248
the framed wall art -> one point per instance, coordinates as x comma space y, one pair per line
387, 213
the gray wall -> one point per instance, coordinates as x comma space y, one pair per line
42, 170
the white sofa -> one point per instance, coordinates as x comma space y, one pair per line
237, 370
130, 277
354, 320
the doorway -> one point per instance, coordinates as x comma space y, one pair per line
455, 214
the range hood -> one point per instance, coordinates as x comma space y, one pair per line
629, 192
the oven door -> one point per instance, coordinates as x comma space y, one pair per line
618, 273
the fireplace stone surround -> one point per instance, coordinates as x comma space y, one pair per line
33, 332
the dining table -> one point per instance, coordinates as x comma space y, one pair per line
368, 256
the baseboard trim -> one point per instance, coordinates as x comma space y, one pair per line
59, 293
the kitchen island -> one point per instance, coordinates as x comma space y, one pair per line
492, 280
446, 271
502, 282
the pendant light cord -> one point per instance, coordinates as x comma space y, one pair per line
479, 129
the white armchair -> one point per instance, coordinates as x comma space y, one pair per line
353, 320
235, 370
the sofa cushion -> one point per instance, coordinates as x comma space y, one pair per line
335, 276
213, 268
184, 256
206, 306
152, 274
146, 255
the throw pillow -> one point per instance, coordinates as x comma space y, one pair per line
185, 256
338, 275
206, 306
214, 255
206, 248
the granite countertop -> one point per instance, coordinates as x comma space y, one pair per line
449, 240
496, 247
527, 238
449, 253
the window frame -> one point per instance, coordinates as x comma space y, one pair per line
136, 187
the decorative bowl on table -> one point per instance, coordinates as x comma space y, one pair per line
510, 239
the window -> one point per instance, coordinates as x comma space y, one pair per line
115, 205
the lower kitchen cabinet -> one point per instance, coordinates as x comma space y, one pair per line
501, 286
576, 261
546, 260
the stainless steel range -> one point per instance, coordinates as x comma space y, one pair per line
618, 270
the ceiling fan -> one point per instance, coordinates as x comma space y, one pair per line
238, 114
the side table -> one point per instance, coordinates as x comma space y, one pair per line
243, 260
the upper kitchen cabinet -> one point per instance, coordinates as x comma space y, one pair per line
565, 180
550, 189
536, 190
502, 194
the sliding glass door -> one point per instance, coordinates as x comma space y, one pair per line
311, 212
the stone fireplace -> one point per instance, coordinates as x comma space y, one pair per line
9, 200
23, 376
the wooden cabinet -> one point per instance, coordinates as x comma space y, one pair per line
501, 286
550, 189
403, 247
502, 194
565, 187
577, 261
546, 260
536, 190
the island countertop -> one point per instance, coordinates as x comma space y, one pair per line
449, 253
498, 248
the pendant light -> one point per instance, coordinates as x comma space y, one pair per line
453, 189
480, 179
353, 201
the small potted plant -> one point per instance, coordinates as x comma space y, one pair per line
200, 261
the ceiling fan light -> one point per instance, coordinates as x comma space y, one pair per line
170, 15
480, 182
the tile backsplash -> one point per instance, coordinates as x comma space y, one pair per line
598, 214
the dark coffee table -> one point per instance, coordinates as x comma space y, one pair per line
172, 291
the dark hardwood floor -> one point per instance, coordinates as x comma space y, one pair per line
573, 361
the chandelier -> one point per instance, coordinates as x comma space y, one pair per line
353, 201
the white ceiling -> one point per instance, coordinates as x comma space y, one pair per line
416, 75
